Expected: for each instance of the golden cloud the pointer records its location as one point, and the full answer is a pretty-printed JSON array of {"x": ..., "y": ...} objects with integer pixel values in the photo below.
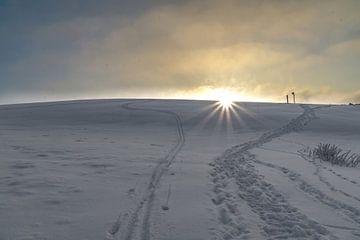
[{"x": 262, "y": 49}]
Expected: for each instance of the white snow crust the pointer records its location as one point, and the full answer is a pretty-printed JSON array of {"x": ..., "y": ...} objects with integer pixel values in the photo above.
[{"x": 175, "y": 170}]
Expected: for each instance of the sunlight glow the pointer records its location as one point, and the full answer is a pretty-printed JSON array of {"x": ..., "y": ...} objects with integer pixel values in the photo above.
[
  {"x": 226, "y": 113},
  {"x": 225, "y": 97},
  {"x": 213, "y": 93},
  {"x": 226, "y": 102}
]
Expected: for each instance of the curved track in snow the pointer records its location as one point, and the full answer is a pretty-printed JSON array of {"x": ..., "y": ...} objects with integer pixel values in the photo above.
[
  {"x": 136, "y": 223},
  {"x": 238, "y": 187},
  {"x": 318, "y": 168}
]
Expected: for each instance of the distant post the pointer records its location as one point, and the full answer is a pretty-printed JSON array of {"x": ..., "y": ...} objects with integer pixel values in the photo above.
[
  {"x": 293, "y": 93},
  {"x": 287, "y": 99}
]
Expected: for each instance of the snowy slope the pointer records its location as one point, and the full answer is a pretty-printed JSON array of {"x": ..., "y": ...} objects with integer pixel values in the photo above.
[{"x": 166, "y": 169}]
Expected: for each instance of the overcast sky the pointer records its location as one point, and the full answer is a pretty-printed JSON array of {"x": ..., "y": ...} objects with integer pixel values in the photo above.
[{"x": 260, "y": 50}]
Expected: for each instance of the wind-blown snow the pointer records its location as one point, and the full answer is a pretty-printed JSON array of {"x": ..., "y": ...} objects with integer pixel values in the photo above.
[{"x": 166, "y": 169}]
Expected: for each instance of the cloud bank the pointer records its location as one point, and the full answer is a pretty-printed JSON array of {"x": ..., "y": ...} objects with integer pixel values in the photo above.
[{"x": 260, "y": 49}]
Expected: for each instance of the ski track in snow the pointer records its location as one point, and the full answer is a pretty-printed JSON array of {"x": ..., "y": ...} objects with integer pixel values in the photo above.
[
  {"x": 318, "y": 168},
  {"x": 136, "y": 224},
  {"x": 279, "y": 220},
  {"x": 351, "y": 212}
]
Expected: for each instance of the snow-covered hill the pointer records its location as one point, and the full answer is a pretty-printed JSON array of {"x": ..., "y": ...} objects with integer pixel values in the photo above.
[{"x": 175, "y": 170}]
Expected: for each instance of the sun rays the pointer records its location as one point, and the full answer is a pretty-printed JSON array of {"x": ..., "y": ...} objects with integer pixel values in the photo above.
[
  {"x": 226, "y": 102},
  {"x": 227, "y": 113},
  {"x": 224, "y": 112},
  {"x": 224, "y": 115}
]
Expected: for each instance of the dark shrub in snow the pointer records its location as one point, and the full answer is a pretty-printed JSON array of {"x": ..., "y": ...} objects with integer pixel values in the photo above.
[{"x": 335, "y": 155}]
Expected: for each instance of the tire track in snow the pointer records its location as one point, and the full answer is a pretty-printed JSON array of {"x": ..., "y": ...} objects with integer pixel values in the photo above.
[
  {"x": 278, "y": 218},
  {"x": 138, "y": 221}
]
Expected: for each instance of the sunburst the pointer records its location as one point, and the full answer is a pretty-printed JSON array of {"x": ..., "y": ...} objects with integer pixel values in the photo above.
[
  {"x": 226, "y": 102},
  {"x": 226, "y": 112}
]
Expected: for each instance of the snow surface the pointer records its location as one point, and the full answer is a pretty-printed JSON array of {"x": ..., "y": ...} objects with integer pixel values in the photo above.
[{"x": 179, "y": 170}]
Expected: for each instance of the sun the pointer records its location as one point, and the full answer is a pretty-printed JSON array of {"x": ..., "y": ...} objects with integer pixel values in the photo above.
[
  {"x": 225, "y": 97},
  {"x": 226, "y": 108},
  {"x": 226, "y": 101}
]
